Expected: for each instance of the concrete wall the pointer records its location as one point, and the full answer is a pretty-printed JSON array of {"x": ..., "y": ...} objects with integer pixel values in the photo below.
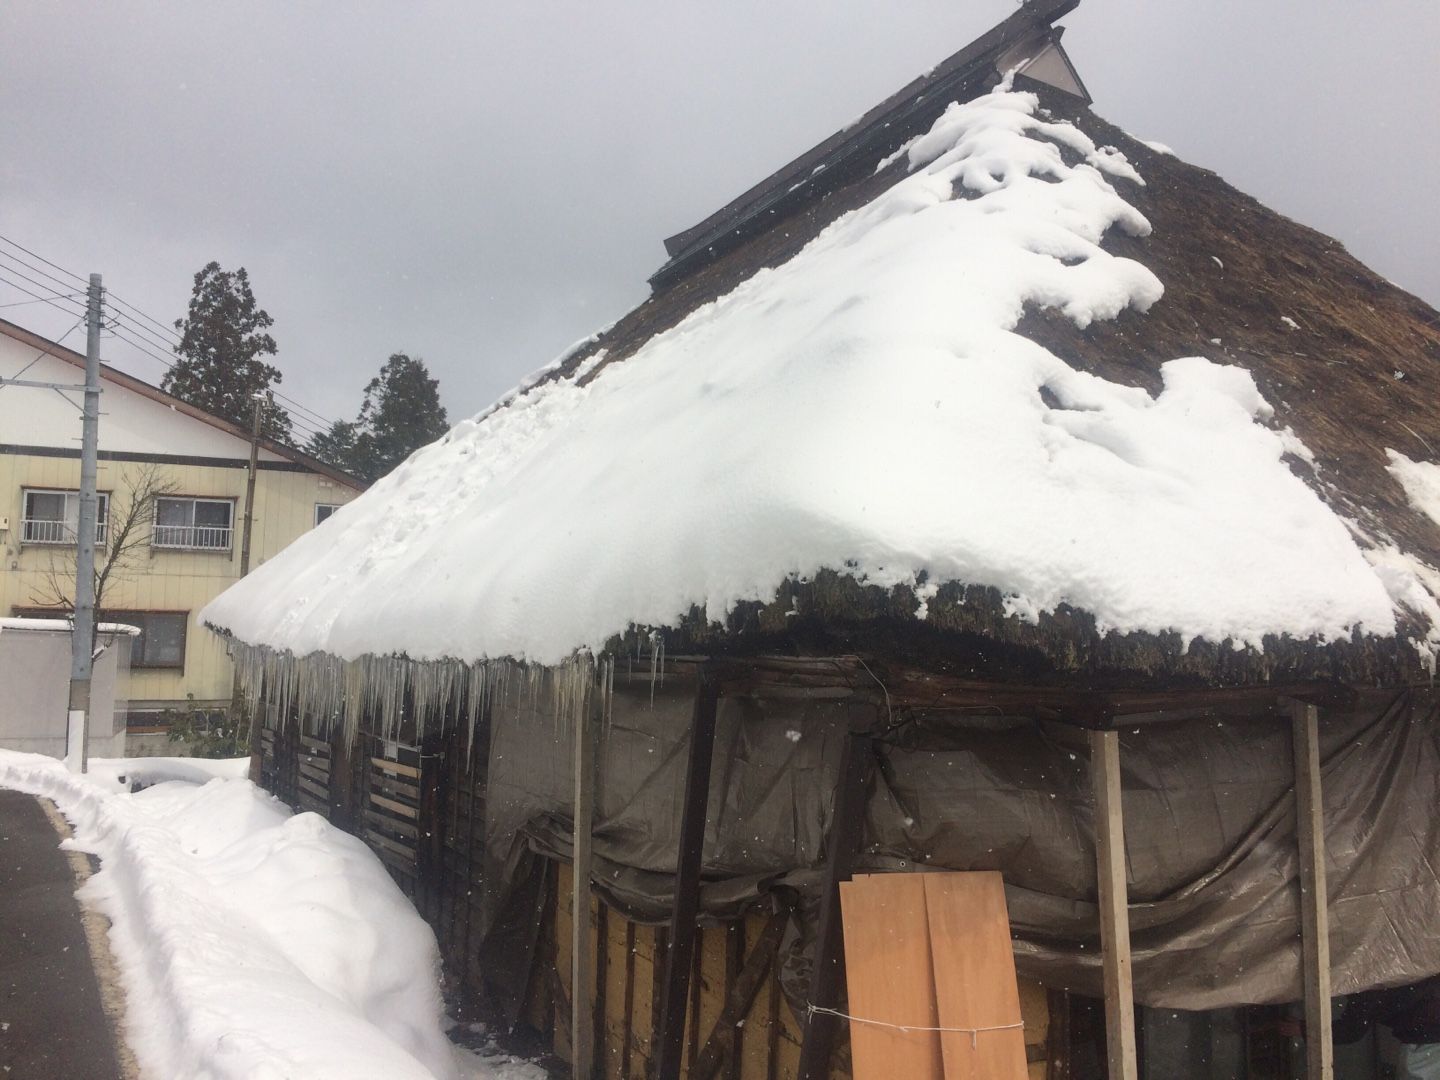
[{"x": 35, "y": 692}]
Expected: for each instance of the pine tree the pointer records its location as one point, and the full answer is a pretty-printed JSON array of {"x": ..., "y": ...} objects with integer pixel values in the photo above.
[
  {"x": 222, "y": 342},
  {"x": 401, "y": 413},
  {"x": 336, "y": 445}
]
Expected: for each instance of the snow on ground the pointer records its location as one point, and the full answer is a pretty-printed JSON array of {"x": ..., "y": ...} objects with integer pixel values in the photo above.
[
  {"x": 120, "y": 773},
  {"x": 865, "y": 406},
  {"x": 252, "y": 942}
]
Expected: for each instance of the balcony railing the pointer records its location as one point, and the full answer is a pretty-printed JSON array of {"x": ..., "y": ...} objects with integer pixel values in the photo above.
[
  {"x": 191, "y": 537},
  {"x": 40, "y": 531}
]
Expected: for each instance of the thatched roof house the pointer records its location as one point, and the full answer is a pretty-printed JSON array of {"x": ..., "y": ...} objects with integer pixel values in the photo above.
[{"x": 978, "y": 420}]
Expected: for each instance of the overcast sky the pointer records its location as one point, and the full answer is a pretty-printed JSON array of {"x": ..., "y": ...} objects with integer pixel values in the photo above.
[{"x": 483, "y": 184}]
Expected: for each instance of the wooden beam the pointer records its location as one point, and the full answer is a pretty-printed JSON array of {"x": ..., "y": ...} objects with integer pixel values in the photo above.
[
  {"x": 1314, "y": 913},
  {"x": 1057, "y": 1036},
  {"x": 582, "y": 959},
  {"x": 1114, "y": 905},
  {"x": 681, "y": 951},
  {"x": 846, "y": 820}
]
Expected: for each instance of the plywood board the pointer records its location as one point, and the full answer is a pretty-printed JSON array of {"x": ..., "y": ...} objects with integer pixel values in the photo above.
[
  {"x": 975, "y": 985},
  {"x": 889, "y": 978}
]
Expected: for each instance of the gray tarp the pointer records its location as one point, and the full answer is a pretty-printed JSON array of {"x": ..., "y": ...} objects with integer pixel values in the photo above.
[{"x": 1210, "y": 832}]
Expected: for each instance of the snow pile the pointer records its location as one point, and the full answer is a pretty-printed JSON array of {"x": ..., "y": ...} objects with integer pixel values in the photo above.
[
  {"x": 251, "y": 943},
  {"x": 866, "y": 407},
  {"x": 120, "y": 773}
]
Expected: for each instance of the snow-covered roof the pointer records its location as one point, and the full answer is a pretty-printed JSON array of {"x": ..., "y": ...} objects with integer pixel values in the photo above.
[{"x": 876, "y": 406}]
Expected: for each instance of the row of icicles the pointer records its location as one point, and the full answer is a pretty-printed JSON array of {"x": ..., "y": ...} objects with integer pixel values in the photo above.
[{"x": 437, "y": 695}]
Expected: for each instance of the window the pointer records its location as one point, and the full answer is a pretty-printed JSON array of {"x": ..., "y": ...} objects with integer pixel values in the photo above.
[
  {"x": 161, "y": 643},
  {"x": 193, "y": 524},
  {"x": 324, "y": 510},
  {"x": 51, "y": 517}
]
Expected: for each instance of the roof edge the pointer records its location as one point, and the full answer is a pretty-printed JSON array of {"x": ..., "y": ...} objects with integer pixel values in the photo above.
[{"x": 154, "y": 393}]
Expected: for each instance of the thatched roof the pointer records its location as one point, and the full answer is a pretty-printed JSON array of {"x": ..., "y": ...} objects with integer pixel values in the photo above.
[{"x": 1348, "y": 361}]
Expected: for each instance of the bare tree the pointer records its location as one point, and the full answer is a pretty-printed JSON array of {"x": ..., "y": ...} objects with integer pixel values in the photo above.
[{"x": 127, "y": 539}]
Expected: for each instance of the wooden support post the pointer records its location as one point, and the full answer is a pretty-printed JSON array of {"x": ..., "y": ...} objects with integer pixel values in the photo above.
[
  {"x": 343, "y": 803},
  {"x": 1314, "y": 913},
  {"x": 582, "y": 958},
  {"x": 430, "y": 844},
  {"x": 681, "y": 940},
  {"x": 846, "y": 819},
  {"x": 1114, "y": 905}
]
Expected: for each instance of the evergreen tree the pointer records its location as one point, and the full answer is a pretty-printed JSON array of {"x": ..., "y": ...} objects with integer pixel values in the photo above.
[
  {"x": 222, "y": 342},
  {"x": 401, "y": 413},
  {"x": 336, "y": 445}
]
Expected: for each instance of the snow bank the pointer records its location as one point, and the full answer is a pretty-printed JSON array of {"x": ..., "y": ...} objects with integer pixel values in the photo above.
[
  {"x": 251, "y": 943},
  {"x": 865, "y": 406},
  {"x": 120, "y": 773}
]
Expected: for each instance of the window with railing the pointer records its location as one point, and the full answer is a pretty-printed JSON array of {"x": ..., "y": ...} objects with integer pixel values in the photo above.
[
  {"x": 190, "y": 524},
  {"x": 53, "y": 517}
]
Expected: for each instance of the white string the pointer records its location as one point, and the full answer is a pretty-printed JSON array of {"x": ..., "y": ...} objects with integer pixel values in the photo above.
[{"x": 974, "y": 1032}]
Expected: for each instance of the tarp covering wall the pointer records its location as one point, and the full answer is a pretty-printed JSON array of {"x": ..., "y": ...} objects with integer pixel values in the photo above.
[{"x": 1210, "y": 830}]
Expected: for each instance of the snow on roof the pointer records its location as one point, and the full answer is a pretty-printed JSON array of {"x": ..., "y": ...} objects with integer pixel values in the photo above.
[
  {"x": 63, "y": 626},
  {"x": 864, "y": 407}
]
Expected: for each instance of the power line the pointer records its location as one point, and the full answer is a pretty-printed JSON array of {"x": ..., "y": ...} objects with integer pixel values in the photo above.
[
  {"x": 35, "y": 269},
  {"x": 47, "y": 262},
  {"x": 304, "y": 418},
  {"x": 135, "y": 310},
  {"x": 39, "y": 300},
  {"x": 304, "y": 428},
  {"x": 314, "y": 422},
  {"x": 47, "y": 299},
  {"x": 36, "y": 359}
]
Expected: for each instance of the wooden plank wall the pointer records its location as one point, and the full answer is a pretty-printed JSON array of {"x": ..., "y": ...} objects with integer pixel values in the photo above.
[
  {"x": 390, "y": 821},
  {"x": 312, "y": 780},
  {"x": 625, "y": 999},
  {"x": 629, "y": 969}
]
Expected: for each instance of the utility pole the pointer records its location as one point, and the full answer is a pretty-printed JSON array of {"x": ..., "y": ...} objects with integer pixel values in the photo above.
[
  {"x": 250, "y": 482},
  {"x": 237, "y": 702},
  {"x": 82, "y": 634}
]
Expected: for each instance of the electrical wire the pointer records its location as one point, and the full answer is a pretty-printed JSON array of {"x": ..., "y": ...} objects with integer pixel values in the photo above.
[
  {"x": 36, "y": 270},
  {"x": 50, "y": 299},
  {"x": 36, "y": 358},
  {"x": 44, "y": 260},
  {"x": 152, "y": 332}
]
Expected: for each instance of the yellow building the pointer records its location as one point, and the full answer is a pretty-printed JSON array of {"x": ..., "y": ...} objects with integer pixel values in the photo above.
[{"x": 172, "y": 505}]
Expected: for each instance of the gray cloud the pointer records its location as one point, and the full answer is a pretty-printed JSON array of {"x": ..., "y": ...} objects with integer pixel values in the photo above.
[{"x": 484, "y": 185}]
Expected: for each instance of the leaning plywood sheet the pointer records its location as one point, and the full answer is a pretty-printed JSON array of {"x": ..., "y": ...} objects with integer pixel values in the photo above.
[
  {"x": 976, "y": 992},
  {"x": 891, "y": 984}
]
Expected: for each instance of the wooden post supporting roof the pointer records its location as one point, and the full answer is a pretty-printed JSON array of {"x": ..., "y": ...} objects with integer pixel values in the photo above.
[
  {"x": 846, "y": 818},
  {"x": 681, "y": 952},
  {"x": 582, "y": 957},
  {"x": 1114, "y": 905},
  {"x": 1314, "y": 914}
]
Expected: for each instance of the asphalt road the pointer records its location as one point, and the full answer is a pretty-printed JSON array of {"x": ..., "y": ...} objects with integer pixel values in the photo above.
[{"x": 52, "y": 1023}]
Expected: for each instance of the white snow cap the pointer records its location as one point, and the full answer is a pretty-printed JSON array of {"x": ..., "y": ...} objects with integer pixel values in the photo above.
[
  {"x": 1421, "y": 481},
  {"x": 865, "y": 406}
]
